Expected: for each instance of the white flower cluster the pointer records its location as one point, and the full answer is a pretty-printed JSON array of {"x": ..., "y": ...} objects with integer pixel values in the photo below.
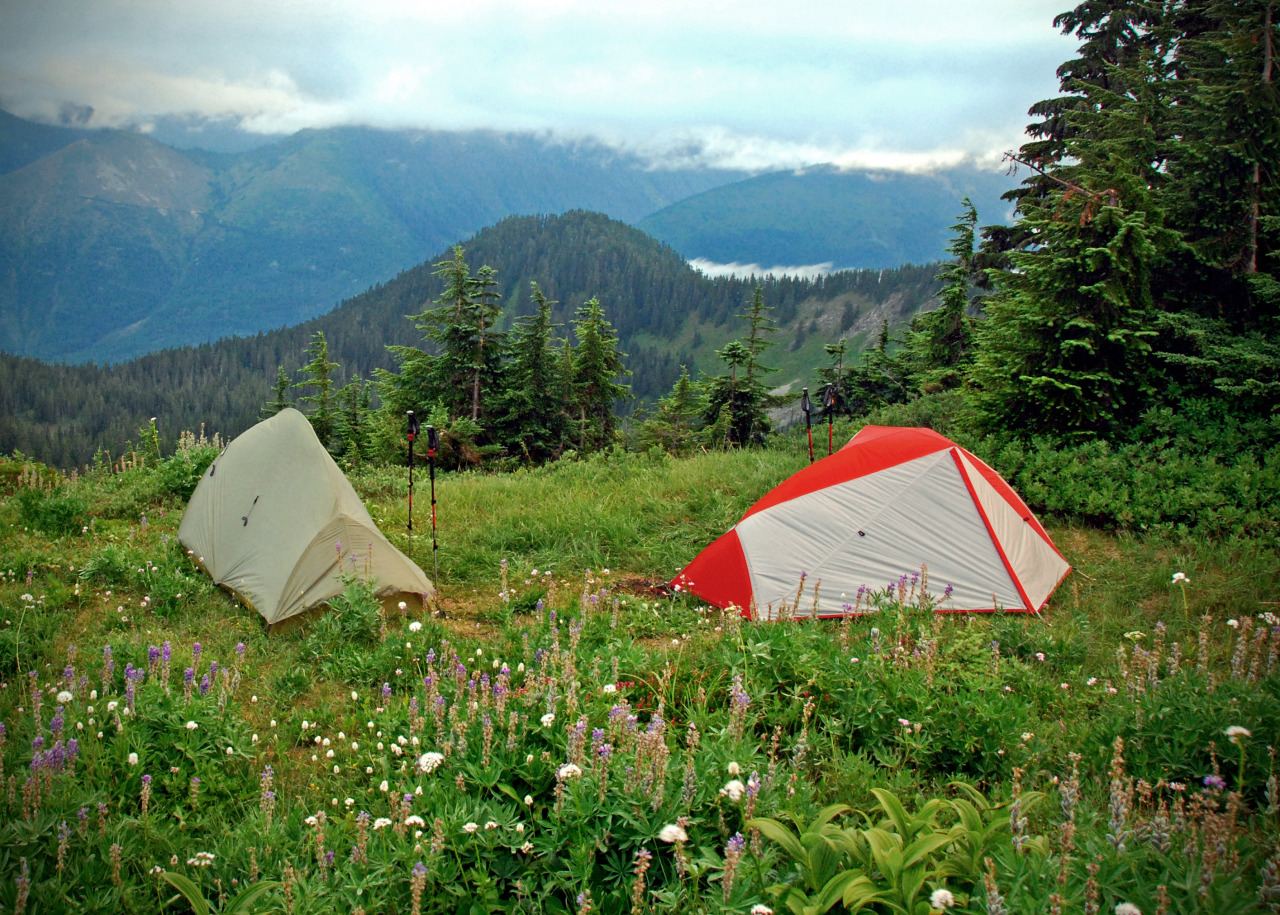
[{"x": 429, "y": 762}]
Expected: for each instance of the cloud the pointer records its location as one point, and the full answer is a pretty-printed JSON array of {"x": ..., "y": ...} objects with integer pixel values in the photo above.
[
  {"x": 745, "y": 271},
  {"x": 741, "y": 84}
]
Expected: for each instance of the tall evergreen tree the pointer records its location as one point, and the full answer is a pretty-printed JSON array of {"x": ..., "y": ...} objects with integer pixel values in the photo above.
[
  {"x": 319, "y": 372},
  {"x": 533, "y": 404},
  {"x": 740, "y": 396},
  {"x": 939, "y": 342},
  {"x": 597, "y": 364}
]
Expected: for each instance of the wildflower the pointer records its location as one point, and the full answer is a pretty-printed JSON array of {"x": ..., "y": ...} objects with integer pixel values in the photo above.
[
  {"x": 547, "y": 719},
  {"x": 491, "y": 824},
  {"x": 1234, "y": 624},
  {"x": 527, "y": 847},
  {"x": 1235, "y": 732},
  {"x": 415, "y": 626},
  {"x": 470, "y": 827},
  {"x": 673, "y": 833},
  {"x": 734, "y": 770},
  {"x": 133, "y": 759},
  {"x": 567, "y": 771},
  {"x": 64, "y": 696},
  {"x": 761, "y": 909},
  {"x": 355, "y": 697},
  {"x": 384, "y": 787},
  {"x": 609, "y": 688},
  {"x": 414, "y": 820},
  {"x": 942, "y": 899},
  {"x": 1180, "y": 576},
  {"x": 1214, "y": 782},
  {"x": 429, "y": 762},
  {"x": 1135, "y": 636},
  {"x": 381, "y": 823},
  {"x": 528, "y": 800},
  {"x": 1128, "y": 908},
  {"x": 734, "y": 790},
  {"x": 1039, "y": 655},
  {"x": 191, "y": 725}
]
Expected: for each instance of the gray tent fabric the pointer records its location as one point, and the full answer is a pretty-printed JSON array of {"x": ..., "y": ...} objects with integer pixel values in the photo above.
[{"x": 275, "y": 521}]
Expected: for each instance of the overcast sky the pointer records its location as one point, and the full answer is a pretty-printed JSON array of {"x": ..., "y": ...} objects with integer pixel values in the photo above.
[{"x": 747, "y": 84}]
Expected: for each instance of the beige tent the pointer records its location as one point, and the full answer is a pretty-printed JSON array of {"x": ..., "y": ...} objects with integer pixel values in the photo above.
[{"x": 274, "y": 521}]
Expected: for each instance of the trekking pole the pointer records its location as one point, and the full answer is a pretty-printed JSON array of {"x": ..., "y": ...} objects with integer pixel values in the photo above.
[
  {"x": 433, "y": 442},
  {"x": 413, "y": 433},
  {"x": 808, "y": 419},
  {"x": 829, "y": 407}
]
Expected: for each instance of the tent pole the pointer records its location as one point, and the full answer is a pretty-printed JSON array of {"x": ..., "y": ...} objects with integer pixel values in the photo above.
[
  {"x": 808, "y": 419},
  {"x": 413, "y": 432}
]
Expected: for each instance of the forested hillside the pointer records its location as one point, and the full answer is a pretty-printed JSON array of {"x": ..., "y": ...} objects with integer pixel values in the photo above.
[{"x": 666, "y": 314}]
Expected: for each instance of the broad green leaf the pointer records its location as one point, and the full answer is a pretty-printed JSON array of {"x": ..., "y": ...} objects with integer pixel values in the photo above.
[{"x": 199, "y": 905}]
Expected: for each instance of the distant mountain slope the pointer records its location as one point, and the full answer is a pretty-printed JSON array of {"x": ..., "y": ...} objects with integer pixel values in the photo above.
[
  {"x": 23, "y": 142},
  {"x": 666, "y": 313},
  {"x": 850, "y": 219},
  {"x": 113, "y": 245}
]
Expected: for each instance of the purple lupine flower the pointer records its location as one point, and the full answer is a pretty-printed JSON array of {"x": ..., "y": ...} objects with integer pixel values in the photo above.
[
  {"x": 204, "y": 685},
  {"x": 55, "y": 725},
  {"x": 195, "y": 653},
  {"x": 947, "y": 591},
  {"x": 386, "y": 690},
  {"x": 239, "y": 649},
  {"x": 213, "y": 669},
  {"x": 1214, "y": 782},
  {"x": 431, "y": 656},
  {"x": 37, "y": 744},
  {"x": 73, "y": 750},
  {"x": 604, "y": 750},
  {"x": 188, "y": 676},
  {"x": 153, "y": 654},
  {"x": 69, "y": 675},
  {"x": 166, "y": 652}
]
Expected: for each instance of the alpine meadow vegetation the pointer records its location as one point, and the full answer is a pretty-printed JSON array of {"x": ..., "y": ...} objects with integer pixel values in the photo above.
[{"x": 563, "y": 731}]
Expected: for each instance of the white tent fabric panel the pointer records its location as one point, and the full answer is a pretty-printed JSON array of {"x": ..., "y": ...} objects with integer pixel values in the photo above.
[
  {"x": 919, "y": 512},
  {"x": 1037, "y": 564}
]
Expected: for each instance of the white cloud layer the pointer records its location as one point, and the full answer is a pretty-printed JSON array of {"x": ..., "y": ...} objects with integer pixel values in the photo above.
[
  {"x": 713, "y": 270},
  {"x": 748, "y": 84}
]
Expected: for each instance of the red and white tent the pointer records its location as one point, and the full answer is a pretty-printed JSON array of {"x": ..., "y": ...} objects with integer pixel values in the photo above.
[{"x": 888, "y": 502}]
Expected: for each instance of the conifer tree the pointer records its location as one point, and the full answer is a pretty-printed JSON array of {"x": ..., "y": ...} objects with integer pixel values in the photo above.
[
  {"x": 740, "y": 395},
  {"x": 533, "y": 415},
  {"x": 278, "y": 401},
  {"x": 939, "y": 343},
  {"x": 674, "y": 426},
  {"x": 319, "y": 372},
  {"x": 596, "y": 364}
]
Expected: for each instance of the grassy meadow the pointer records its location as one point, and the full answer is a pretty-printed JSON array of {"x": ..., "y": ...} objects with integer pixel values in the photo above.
[{"x": 561, "y": 733}]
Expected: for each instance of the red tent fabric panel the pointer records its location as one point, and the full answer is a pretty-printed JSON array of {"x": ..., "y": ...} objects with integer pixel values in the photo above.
[
  {"x": 719, "y": 574},
  {"x": 873, "y": 449}
]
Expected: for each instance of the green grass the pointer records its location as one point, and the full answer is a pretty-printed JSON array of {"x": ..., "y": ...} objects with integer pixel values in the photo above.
[{"x": 984, "y": 697}]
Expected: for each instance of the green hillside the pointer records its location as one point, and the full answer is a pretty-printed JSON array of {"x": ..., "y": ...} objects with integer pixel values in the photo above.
[
  {"x": 666, "y": 314},
  {"x": 850, "y": 219}
]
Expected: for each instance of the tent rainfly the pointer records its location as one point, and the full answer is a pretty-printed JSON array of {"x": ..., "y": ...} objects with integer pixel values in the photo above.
[
  {"x": 888, "y": 502},
  {"x": 274, "y": 521}
]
